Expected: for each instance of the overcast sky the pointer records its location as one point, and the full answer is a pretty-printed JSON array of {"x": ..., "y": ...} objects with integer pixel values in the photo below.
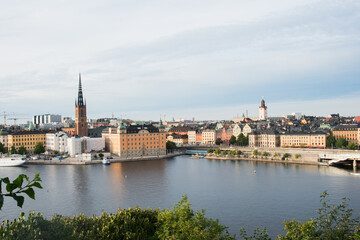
[{"x": 190, "y": 58}]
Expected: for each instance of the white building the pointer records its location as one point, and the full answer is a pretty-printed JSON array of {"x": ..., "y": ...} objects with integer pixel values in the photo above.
[
  {"x": 77, "y": 145},
  {"x": 192, "y": 137},
  {"x": 57, "y": 142},
  {"x": 262, "y": 111},
  {"x": 208, "y": 136},
  {"x": 236, "y": 130},
  {"x": 46, "y": 118}
]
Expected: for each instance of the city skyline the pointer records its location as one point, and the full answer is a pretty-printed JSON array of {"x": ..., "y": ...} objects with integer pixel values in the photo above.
[{"x": 208, "y": 60}]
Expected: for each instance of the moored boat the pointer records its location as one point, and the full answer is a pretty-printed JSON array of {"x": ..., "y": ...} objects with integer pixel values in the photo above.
[
  {"x": 12, "y": 160},
  {"x": 106, "y": 161}
]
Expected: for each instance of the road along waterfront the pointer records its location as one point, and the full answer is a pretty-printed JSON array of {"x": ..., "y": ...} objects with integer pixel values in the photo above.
[{"x": 229, "y": 190}]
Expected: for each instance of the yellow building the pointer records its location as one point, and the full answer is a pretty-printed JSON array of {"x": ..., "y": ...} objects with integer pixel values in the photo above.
[
  {"x": 349, "y": 132},
  {"x": 303, "y": 140},
  {"x": 178, "y": 139},
  {"x": 135, "y": 140},
  {"x": 28, "y": 139}
]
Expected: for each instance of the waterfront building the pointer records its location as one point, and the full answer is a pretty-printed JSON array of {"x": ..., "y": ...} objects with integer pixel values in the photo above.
[
  {"x": 349, "y": 132},
  {"x": 135, "y": 140},
  {"x": 303, "y": 139},
  {"x": 262, "y": 111},
  {"x": 208, "y": 136},
  {"x": 178, "y": 139},
  {"x": 28, "y": 139},
  {"x": 4, "y": 138},
  {"x": 57, "y": 142},
  {"x": 78, "y": 145},
  {"x": 192, "y": 137},
  {"x": 81, "y": 127},
  {"x": 46, "y": 119},
  {"x": 268, "y": 138}
]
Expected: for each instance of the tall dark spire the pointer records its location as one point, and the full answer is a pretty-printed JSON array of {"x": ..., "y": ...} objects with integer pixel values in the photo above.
[{"x": 80, "y": 101}]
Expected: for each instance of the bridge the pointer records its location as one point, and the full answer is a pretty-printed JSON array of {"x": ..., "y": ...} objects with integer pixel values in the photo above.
[{"x": 340, "y": 159}]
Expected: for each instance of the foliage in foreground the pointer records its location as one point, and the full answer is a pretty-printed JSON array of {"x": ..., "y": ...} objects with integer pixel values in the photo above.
[{"x": 181, "y": 222}]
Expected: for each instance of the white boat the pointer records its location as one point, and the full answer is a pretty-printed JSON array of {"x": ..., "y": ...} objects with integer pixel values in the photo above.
[
  {"x": 12, "y": 160},
  {"x": 106, "y": 161}
]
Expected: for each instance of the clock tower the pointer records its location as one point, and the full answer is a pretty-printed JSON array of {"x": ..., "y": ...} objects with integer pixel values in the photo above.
[{"x": 81, "y": 127}]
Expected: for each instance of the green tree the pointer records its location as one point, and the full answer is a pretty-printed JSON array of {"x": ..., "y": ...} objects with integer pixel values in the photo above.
[
  {"x": 22, "y": 150},
  {"x": 239, "y": 152},
  {"x": 341, "y": 143},
  {"x": 297, "y": 156},
  {"x": 217, "y": 151},
  {"x": 232, "y": 153},
  {"x": 13, "y": 150},
  {"x": 242, "y": 140},
  {"x": 285, "y": 156},
  {"x": 330, "y": 141},
  {"x": 95, "y": 156},
  {"x": 276, "y": 154},
  {"x": 183, "y": 223},
  {"x": 56, "y": 152},
  {"x": 224, "y": 153},
  {"x": 232, "y": 140},
  {"x": 15, "y": 188},
  {"x": 210, "y": 150},
  {"x": 256, "y": 153},
  {"x": 2, "y": 148},
  {"x": 39, "y": 148},
  {"x": 218, "y": 141},
  {"x": 265, "y": 154},
  {"x": 101, "y": 155},
  {"x": 333, "y": 222},
  {"x": 352, "y": 146},
  {"x": 170, "y": 145}
]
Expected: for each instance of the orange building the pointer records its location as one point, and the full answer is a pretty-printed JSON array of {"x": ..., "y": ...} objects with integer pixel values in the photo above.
[
  {"x": 70, "y": 131},
  {"x": 349, "y": 132},
  {"x": 135, "y": 140}
]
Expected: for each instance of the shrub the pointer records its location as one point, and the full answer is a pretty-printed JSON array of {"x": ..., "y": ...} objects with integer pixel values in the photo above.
[
  {"x": 210, "y": 150},
  {"x": 265, "y": 154},
  {"x": 239, "y": 152},
  {"x": 256, "y": 152},
  {"x": 232, "y": 153},
  {"x": 217, "y": 151},
  {"x": 224, "y": 153},
  {"x": 297, "y": 156}
]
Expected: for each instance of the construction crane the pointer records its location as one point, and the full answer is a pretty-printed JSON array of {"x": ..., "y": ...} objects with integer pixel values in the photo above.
[{"x": 15, "y": 120}]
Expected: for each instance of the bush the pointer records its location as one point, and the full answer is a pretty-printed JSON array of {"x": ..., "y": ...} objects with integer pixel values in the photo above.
[
  {"x": 265, "y": 154},
  {"x": 232, "y": 153},
  {"x": 297, "y": 156},
  {"x": 256, "y": 152},
  {"x": 224, "y": 153},
  {"x": 239, "y": 152},
  {"x": 101, "y": 155},
  {"x": 286, "y": 155},
  {"x": 210, "y": 150},
  {"x": 217, "y": 151}
]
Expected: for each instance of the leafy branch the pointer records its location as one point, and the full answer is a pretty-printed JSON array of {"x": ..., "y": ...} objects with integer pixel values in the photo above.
[{"x": 13, "y": 189}]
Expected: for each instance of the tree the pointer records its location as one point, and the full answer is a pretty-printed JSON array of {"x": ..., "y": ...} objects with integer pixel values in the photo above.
[
  {"x": 101, "y": 155},
  {"x": 341, "y": 143},
  {"x": 22, "y": 150},
  {"x": 95, "y": 156},
  {"x": 232, "y": 153},
  {"x": 170, "y": 145},
  {"x": 210, "y": 150},
  {"x": 217, "y": 151},
  {"x": 265, "y": 154},
  {"x": 333, "y": 222},
  {"x": 232, "y": 140},
  {"x": 183, "y": 223},
  {"x": 239, "y": 152},
  {"x": 56, "y": 152},
  {"x": 352, "y": 146},
  {"x": 39, "y": 148},
  {"x": 242, "y": 140},
  {"x": 297, "y": 156},
  {"x": 218, "y": 141},
  {"x": 256, "y": 153},
  {"x": 13, "y": 150},
  {"x": 330, "y": 141},
  {"x": 14, "y": 188},
  {"x": 286, "y": 155},
  {"x": 2, "y": 148},
  {"x": 276, "y": 154},
  {"x": 224, "y": 153}
]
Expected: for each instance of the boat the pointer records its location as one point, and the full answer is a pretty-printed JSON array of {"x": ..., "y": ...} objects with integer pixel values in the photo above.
[
  {"x": 106, "y": 161},
  {"x": 13, "y": 160}
]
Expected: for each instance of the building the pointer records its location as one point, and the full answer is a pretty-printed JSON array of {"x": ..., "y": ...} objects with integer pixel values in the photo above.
[
  {"x": 264, "y": 138},
  {"x": 46, "y": 119},
  {"x": 247, "y": 129},
  {"x": 179, "y": 130},
  {"x": 135, "y": 140},
  {"x": 208, "y": 136},
  {"x": 57, "y": 142},
  {"x": 262, "y": 111},
  {"x": 78, "y": 145},
  {"x": 28, "y": 139},
  {"x": 81, "y": 127},
  {"x": 236, "y": 130},
  {"x": 349, "y": 132},
  {"x": 4, "y": 138},
  {"x": 303, "y": 139},
  {"x": 192, "y": 137},
  {"x": 70, "y": 131},
  {"x": 178, "y": 139}
]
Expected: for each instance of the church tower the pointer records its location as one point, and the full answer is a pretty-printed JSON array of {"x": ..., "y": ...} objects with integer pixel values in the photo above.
[
  {"x": 81, "y": 128},
  {"x": 262, "y": 111}
]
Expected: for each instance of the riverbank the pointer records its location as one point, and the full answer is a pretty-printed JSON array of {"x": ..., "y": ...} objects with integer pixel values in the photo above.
[
  {"x": 269, "y": 160},
  {"x": 78, "y": 161}
]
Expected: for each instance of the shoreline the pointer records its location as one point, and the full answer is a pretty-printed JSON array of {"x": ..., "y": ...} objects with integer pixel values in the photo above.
[{"x": 72, "y": 161}]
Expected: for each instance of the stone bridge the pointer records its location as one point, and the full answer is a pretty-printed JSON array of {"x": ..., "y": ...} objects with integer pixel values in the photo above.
[{"x": 340, "y": 159}]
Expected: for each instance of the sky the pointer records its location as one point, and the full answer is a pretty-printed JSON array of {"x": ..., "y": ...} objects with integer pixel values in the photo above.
[{"x": 183, "y": 59}]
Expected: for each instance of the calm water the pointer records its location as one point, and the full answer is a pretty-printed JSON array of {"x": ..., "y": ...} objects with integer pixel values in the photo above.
[{"x": 228, "y": 190}]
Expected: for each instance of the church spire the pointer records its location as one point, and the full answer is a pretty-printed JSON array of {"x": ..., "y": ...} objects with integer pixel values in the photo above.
[{"x": 80, "y": 101}]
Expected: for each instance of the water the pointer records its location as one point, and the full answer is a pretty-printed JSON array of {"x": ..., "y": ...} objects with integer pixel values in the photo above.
[{"x": 228, "y": 190}]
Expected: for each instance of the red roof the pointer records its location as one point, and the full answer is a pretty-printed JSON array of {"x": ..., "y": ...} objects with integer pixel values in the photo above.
[{"x": 357, "y": 119}]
